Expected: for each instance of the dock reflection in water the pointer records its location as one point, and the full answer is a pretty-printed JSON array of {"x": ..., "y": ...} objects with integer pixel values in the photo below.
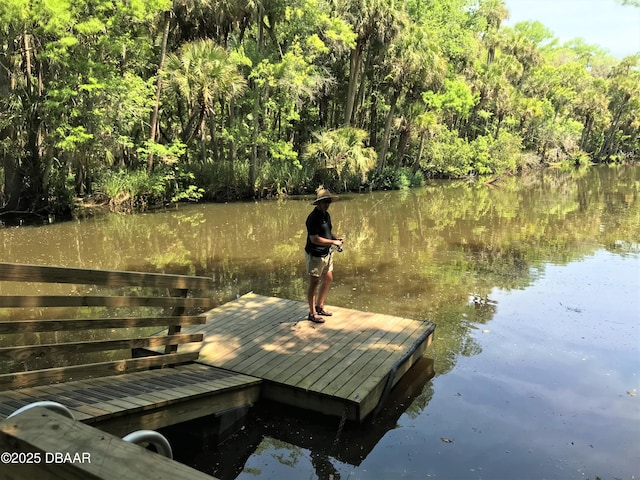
[{"x": 325, "y": 442}]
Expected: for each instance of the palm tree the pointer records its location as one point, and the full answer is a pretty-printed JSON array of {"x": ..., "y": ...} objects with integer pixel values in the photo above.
[
  {"x": 414, "y": 64},
  {"x": 343, "y": 151},
  {"x": 494, "y": 13},
  {"x": 371, "y": 19},
  {"x": 203, "y": 73}
]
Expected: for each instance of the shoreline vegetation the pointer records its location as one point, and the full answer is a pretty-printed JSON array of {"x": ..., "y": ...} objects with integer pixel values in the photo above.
[{"x": 131, "y": 106}]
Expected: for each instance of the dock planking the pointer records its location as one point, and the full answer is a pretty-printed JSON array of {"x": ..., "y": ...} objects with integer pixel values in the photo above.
[
  {"x": 112, "y": 371},
  {"x": 341, "y": 367},
  {"x": 38, "y": 434},
  {"x": 149, "y": 399}
]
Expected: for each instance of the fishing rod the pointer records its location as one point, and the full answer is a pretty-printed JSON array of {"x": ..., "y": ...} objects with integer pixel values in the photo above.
[{"x": 365, "y": 215}]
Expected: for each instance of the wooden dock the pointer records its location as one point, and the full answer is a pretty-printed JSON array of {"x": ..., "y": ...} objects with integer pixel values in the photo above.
[
  {"x": 120, "y": 376},
  {"x": 104, "y": 369},
  {"x": 143, "y": 400},
  {"x": 344, "y": 367}
]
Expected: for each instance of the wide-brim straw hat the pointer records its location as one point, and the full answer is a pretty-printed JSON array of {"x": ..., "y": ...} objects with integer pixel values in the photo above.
[{"x": 324, "y": 194}]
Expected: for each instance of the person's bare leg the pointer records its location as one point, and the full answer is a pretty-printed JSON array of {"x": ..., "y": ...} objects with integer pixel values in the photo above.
[
  {"x": 327, "y": 278},
  {"x": 311, "y": 293}
]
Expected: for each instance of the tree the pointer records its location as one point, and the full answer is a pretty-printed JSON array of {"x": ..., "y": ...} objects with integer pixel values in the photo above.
[
  {"x": 371, "y": 19},
  {"x": 624, "y": 95},
  {"x": 343, "y": 151},
  {"x": 414, "y": 64},
  {"x": 203, "y": 73}
]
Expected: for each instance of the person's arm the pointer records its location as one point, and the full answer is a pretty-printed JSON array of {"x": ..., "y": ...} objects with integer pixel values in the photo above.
[{"x": 324, "y": 242}]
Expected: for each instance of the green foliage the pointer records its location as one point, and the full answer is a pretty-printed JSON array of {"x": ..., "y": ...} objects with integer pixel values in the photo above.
[
  {"x": 451, "y": 156},
  {"x": 265, "y": 98},
  {"x": 395, "y": 179},
  {"x": 220, "y": 181},
  {"x": 455, "y": 102},
  {"x": 342, "y": 150},
  {"x": 448, "y": 155},
  {"x": 139, "y": 190},
  {"x": 61, "y": 192},
  {"x": 168, "y": 154},
  {"x": 496, "y": 156}
]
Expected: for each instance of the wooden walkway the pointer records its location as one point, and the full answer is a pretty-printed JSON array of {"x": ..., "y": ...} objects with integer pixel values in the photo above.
[
  {"x": 143, "y": 400},
  {"x": 103, "y": 369},
  {"x": 345, "y": 366}
]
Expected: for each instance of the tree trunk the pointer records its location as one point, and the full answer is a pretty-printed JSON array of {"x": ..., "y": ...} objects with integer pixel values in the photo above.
[
  {"x": 373, "y": 122},
  {"x": 156, "y": 106},
  {"x": 357, "y": 109},
  {"x": 387, "y": 131},
  {"x": 253, "y": 165},
  {"x": 355, "y": 63},
  {"x": 586, "y": 131},
  {"x": 606, "y": 149},
  {"x": 12, "y": 179},
  {"x": 203, "y": 139},
  {"x": 420, "y": 151},
  {"x": 32, "y": 167},
  {"x": 403, "y": 142},
  {"x": 32, "y": 162},
  {"x": 231, "y": 156}
]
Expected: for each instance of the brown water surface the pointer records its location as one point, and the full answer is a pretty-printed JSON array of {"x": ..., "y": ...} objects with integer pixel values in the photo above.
[{"x": 534, "y": 284}]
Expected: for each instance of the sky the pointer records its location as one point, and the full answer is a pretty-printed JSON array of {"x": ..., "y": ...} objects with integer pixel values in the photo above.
[{"x": 605, "y": 23}]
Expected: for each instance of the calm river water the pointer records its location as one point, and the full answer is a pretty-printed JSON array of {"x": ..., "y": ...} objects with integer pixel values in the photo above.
[{"x": 534, "y": 284}]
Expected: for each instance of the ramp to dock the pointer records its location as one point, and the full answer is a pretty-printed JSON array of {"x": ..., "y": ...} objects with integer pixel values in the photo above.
[
  {"x": 345, "y": 366},
  {"x": 149, "y": 399}
]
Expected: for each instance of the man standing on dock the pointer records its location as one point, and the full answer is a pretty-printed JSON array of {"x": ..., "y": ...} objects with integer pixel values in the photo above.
[{"x": 318, "y": 253}]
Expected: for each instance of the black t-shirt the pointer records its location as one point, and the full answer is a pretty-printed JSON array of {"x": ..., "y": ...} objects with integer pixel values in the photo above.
[{"x": 318, "y": 223}]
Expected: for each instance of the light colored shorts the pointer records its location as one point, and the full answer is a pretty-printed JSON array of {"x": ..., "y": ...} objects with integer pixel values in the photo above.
[{"x": 319, "y": 266}]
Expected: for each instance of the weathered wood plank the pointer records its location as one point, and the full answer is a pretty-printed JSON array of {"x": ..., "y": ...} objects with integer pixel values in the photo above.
[
  {"x": 325, "y": 364},
  {"x": 35, "y": 301},
  {"x": 315, "y": 341},
  {"x": 187, "y": 409},
  {"x": 25, "y": 353},
  {"x": 13, "y": 400},
  {"x": 222, "y": 339},
  {"x": 127, "y": 400},
  {"x": 61, "y": 374},
  {"x": 325, "y": 342},
  {"x": 110, "y": 458},
  {"x": 379, "y": 339},
  {"x": 376, "y": 358},
  {"x": 57, "y": 325},
  {"x": 79, "y": 404},
  {"x": 365, "y": 379},
  {"x": 84, "y": 276},
  {"x": 374, "y": 397},
  {"x": 245, "y": 319},
  {"x": 337, "y": 366},
  {"x": 116, "y": 396},
  {"x": 257, "y": 346},
  {"x": 310, "y": 400}
]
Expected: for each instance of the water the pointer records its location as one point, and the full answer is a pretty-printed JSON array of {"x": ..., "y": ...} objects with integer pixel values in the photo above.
[{"x": 534, "y": 284}]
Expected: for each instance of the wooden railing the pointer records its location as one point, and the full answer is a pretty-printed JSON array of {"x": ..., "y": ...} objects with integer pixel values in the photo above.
[{"x": 64, "y": 359}]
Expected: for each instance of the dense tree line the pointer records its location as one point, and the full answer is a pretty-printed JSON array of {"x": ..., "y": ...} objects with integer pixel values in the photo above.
[{"x": 138, "y": 102}]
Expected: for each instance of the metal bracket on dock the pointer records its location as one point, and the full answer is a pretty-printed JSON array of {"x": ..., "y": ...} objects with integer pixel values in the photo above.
[
  {"x": 139, "y": 437},
  {"x": 157, "y": 440},
  {"x": 53, "y": 406}
]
